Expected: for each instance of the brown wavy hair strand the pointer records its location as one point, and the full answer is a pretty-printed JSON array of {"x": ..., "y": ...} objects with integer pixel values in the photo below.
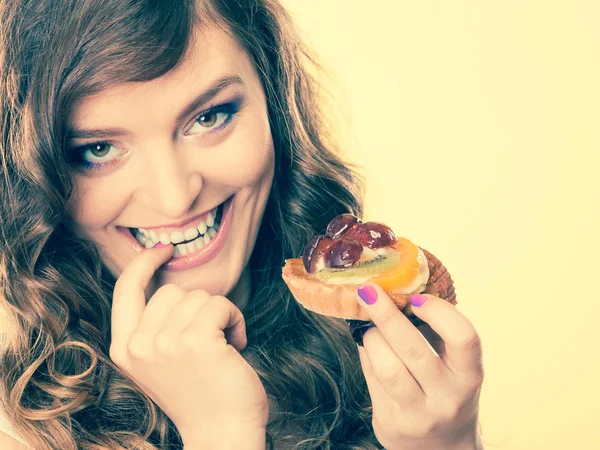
[{"x": 59, "y": 387}]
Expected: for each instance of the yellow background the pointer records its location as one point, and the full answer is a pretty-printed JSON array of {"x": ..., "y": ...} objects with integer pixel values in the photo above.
[{"x": 477, "y": 125}]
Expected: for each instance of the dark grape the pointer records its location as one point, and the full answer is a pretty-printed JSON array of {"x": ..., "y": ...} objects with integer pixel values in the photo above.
[
  {"x": 339, "y": 225},
  {"x": 314, "y": 251},
  {"x": 343, "y": 253},
  {"x": 373, "y": 235}
]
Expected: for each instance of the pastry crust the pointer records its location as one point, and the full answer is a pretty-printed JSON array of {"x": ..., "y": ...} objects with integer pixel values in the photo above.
[{"x": 339, "y": 300}]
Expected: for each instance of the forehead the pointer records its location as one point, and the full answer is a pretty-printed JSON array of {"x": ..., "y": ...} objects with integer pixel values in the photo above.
[{"x": 212, "y": 54}]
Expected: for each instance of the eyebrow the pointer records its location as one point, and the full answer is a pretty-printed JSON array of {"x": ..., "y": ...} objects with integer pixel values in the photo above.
[{"x": 218, "y": 86}]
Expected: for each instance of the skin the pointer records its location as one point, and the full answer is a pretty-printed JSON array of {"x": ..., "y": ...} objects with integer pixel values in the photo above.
[
  {"x": 182, "y": 348},
  {"x": 168, "y": 170},
  {"x": 424, "y": 382},
  {"x": 186, "y": 327},
  {"x": 174, "y": 332}
]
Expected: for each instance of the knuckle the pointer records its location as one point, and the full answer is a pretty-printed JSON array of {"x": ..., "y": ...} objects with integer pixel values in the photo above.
[
  {"x": 390, "y": 375},
  {"x": 469, "y": 339},
  {"x": 224, "y": 306},
  {"x": 137, "y": 347},
  {"x": 414, "y": 355},
  {"x": 190, "y": 340},
  {"x": 221, "y": 301},
  {"x": 389, "y": 320},
  {"x": 167, "y": 290},
  {"x": 164, "y": 343},
  {"x": 428, "y": 421},
  {"x": 476, "y": 378},
  {"x": 199, "y": 293},
  {"x": 480, "y": 376},
  {"x": 428, "y": 427},
  {"x": 196, "y": 297}
]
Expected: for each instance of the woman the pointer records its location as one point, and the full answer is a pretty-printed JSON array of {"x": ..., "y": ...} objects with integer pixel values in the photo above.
[{"x": 160, "y": 161}]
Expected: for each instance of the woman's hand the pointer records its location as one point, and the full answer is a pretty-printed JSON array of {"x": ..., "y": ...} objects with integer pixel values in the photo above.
[
  {"x": 423, "y": 397},
  {"x": 182, "y": 349}
]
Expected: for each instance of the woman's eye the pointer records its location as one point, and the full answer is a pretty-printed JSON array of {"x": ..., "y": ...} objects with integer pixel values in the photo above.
[
  {"x": 209, "y": 121},
  {"x": 215, "y": 119},
  {"x": 96, "y": 155},
  {"x": 99, "y": 150}
]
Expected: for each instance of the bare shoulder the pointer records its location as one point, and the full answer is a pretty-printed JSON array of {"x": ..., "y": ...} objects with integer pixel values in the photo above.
[{"x": 10, "y": 443}]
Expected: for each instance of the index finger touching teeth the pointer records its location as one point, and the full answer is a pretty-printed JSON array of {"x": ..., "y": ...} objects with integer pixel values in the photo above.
[{"x": 129, "y": 300}]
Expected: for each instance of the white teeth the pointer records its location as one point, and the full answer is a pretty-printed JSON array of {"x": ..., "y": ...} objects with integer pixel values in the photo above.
[
  {"x": 196, "y": 237},
  {"x": 190, "y": 247},
  {"x": 180, "y": 249},
  {"x": 141, "y": 238},
  {"x": 202, "y": 227},
  {"x": 210, "y": 219},
  {"x": 144, "y": 240},
  {"x": 191, "y": 233},
  {"x": 177, "y": 237}
]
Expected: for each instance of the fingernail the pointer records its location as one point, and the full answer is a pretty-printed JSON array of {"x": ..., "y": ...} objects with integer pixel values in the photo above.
[
  {"x": 418, "y": 300},
  {"x": 160, "y": 245},
  {"x": 368, "y": 294}
]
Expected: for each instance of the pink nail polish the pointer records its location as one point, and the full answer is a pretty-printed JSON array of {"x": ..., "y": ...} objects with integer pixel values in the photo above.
[
  {"x": 368, "y": 294},
  {"x": 418, "y": 300},
  {"x": 160, "y": 245}
]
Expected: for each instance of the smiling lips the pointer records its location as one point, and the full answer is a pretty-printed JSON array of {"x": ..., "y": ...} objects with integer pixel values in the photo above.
[{"x": 186, "y": 239}]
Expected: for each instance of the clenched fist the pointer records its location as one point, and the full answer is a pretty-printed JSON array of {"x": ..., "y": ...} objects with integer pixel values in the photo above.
[{"x": 182, "y": 349}]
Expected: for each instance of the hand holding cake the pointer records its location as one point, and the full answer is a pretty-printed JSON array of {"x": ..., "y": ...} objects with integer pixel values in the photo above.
[{"x": 424, "y": 382}]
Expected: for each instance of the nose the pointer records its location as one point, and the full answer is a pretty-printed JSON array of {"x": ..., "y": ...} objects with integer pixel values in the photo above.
[{"x": 168, "y": 185}]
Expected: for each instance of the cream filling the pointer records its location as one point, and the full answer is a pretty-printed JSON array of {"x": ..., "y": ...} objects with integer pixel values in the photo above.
[{"x": 417, "y": 285}]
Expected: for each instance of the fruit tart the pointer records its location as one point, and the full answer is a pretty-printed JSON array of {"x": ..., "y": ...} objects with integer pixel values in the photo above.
[{"x": 350, "y": 253}]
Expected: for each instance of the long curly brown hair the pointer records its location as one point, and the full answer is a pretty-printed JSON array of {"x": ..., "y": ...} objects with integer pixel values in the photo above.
[{"x": 58, "y": 386}]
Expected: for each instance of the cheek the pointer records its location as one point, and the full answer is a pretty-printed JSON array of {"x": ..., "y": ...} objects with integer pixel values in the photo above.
[
  {"x": 250, "y": 157},
  {"x": 90, "y": 208}
]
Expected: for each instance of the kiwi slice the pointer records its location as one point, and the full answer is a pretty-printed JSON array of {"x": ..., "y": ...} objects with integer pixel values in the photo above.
[{"x": 375, "y": 266}]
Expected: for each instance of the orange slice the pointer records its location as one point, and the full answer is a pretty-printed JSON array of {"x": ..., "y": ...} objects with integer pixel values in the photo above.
[{"x": 406, "y": 270}]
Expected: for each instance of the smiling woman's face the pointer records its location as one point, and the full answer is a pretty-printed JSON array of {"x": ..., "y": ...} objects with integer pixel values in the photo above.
[{"x": 155, "y": 159}]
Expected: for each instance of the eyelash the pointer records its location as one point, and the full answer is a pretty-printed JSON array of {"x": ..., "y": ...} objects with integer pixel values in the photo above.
[{"x": 230, "y": 108}]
